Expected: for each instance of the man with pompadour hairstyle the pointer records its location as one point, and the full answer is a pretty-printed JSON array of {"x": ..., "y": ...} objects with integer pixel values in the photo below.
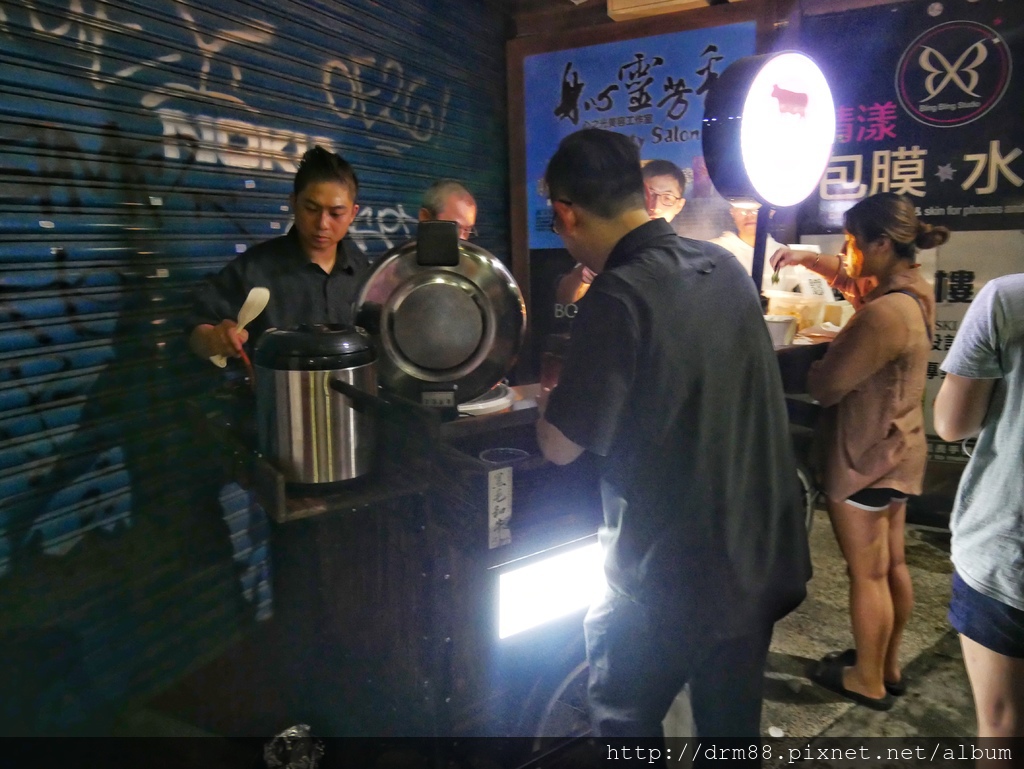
[{"x": 313, "y": 273}]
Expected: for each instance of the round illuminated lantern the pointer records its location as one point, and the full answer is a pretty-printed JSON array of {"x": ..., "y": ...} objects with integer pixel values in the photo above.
[{"x": 769, "y": 126}]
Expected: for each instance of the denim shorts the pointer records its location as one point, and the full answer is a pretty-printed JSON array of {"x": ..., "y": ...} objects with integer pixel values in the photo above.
[
  {"x": 875, "y": 499},
  {"x": 986, "y": 621}
]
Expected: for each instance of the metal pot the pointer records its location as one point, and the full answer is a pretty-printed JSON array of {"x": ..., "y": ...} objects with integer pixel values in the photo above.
[
  {"x": 448, "y": 316},
  {"x": 319, "y": 438}
]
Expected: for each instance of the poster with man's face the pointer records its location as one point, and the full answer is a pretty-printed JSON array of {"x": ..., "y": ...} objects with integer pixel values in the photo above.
[{"x": 651, "y": 89}]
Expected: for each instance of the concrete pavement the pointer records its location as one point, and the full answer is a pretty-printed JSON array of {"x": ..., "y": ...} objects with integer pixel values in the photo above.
[{"x": 938, "y": 702}]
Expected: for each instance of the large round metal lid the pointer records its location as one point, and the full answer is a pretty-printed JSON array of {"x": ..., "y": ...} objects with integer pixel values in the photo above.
[
  {"x": 314, "y": 347},
  {"x": 455, "y": 326},
  {"x": 444, "y": 304}
]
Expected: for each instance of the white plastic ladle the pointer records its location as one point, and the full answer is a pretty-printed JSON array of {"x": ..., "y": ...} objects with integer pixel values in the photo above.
[{"x": 253, "y": 305}]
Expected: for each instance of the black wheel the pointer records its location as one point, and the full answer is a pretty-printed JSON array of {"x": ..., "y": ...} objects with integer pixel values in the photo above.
[
  {"x": 809, "y": 494},
  {"x": 565, "y": 714},
  {"x": 556, "y": 707}
]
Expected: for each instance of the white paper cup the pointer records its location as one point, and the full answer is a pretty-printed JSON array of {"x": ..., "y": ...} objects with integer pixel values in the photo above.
[{"x": 782, "y": 329}]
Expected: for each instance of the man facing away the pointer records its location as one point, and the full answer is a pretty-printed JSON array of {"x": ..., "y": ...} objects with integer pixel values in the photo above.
[
  {"x": 313, "y": 273},
  {"x": 665, "y": 185},
  {"x": 671, "y": 377},
  {"x": 448, "y": 200}
]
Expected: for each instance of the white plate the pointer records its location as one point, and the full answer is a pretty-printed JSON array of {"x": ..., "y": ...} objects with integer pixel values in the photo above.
[{"x": 498, "y": 398}]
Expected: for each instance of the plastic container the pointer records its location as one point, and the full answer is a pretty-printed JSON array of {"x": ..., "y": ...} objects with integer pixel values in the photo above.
[
  {"x": 838, "y": 312},
  {"x": 503, "y": 456},
  {"x": 807, "y": 309}
]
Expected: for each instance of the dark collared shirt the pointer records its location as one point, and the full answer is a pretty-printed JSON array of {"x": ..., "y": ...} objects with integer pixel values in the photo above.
[
  {"x": 671, "y": 376},
  {"x": 300, "y": 291}
]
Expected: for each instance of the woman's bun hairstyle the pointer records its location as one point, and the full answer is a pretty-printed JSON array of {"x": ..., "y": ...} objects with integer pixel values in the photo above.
[
  {"x": 893, "y": 216},
  {"x": 930, "y": 236}
]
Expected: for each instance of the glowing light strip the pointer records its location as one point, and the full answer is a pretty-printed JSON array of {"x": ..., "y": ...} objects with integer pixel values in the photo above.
[{"x": 548, "y": 589}]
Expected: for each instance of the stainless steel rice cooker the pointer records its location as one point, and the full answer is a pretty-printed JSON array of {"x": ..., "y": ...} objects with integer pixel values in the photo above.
[{"x": 317, "y": 437}]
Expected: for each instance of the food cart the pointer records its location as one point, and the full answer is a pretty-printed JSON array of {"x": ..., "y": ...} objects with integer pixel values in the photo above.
[
  {"x": 441, "y": 593},
  {"x": 420, "y": 602}
]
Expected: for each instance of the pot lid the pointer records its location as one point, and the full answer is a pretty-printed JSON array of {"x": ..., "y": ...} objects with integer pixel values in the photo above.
[
  {"x": 314, "y": 346},
  {"x": 454, "y": 326}
]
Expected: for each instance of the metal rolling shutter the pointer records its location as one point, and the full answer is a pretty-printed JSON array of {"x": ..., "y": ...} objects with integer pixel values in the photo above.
[{"x": 142, "y": 145}]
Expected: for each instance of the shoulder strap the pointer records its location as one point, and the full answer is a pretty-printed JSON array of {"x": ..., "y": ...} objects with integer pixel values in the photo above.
[{"x": 917, "y": 299}]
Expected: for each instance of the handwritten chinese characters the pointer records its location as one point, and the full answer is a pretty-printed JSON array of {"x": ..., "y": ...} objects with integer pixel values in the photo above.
[
  {"x": 643, "y": 86},
  {"x": 499, "y": 507}
]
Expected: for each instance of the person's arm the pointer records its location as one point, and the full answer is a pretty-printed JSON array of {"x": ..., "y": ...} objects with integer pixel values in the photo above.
[
  {"x": 594, "y": 386},
  {"x": 212, "y": 319},
  {"x": 973, "y": 365},
  {"x": 573, "y": 285},
  {"x": 555, "y": 447},
  {"x": 960, "y": 407},
  {"x": 825, "y": 265},
  {"x": 871, "y": 339},
  {"x": 830, "y": 267}
]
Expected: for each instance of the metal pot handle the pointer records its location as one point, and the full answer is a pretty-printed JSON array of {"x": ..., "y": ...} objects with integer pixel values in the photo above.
[
  {"x": 416, "y": 425},
  {"x": 361, "y": 400}
]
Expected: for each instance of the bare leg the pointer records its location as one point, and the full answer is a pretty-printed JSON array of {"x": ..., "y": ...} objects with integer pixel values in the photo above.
[
  {"x": 900, "y": 588},
  {"x": 997, "y": 682},
  {"x": 863, "y": 537}
]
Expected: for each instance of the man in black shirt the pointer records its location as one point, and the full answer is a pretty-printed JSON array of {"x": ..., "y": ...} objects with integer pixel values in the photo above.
[
  {"x": 313, "y": 273},
  {"x": 672, "y": 378}
]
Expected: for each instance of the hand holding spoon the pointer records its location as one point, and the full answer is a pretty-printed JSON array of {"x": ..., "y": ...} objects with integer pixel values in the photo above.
[{"x": 253, "y": 305}]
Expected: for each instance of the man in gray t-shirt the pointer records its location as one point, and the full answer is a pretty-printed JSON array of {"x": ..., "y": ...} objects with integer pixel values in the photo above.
[{"x": 982, "y": 396}]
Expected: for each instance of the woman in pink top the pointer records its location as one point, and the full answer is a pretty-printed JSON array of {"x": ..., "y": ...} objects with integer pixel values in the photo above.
[{"x": 871, "y": 383}]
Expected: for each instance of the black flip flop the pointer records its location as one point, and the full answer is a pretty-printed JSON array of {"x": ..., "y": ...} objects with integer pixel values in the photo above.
[
  {"x": 896, "y": 689},
  {"x": 828, "y": 673},
  {"x": 849, "y": 658}
]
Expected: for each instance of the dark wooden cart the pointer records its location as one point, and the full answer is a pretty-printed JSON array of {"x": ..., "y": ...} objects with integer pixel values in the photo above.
[
  {"x": 385, "y": 593},
  {"x": 385, "y": 605}
]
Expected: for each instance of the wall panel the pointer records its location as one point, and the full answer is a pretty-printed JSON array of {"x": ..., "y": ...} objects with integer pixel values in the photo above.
[{"x": 142, "y": 145}]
